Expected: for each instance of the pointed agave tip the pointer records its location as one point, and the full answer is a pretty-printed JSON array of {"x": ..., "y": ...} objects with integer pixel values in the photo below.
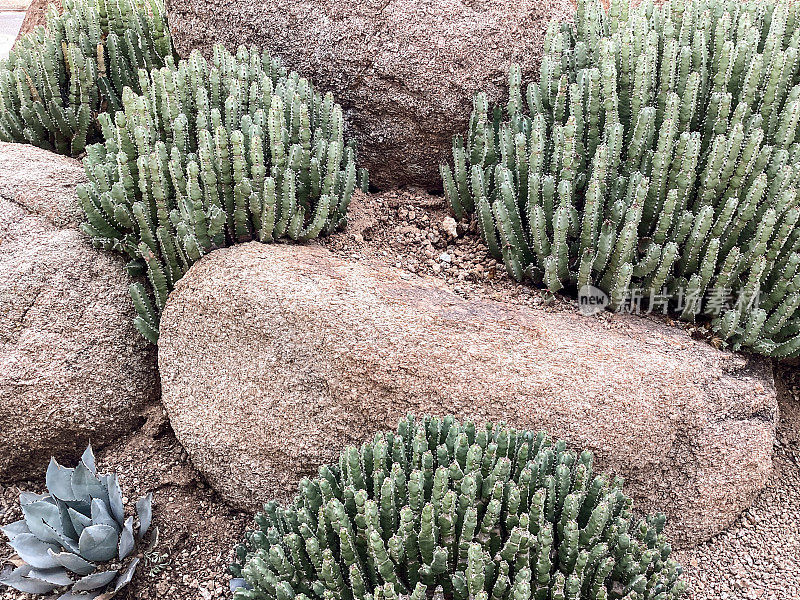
[{"x": 88, "y": 459}]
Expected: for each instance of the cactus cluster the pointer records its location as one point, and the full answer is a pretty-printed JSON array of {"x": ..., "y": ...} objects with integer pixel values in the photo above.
[
  {"x": 444, "y": 510},
  {"x": 211, "y": 154},
  {"x": 57, "y": 79},
  {"x": 76, "y": 539},
  {"x": 656, "y": 159}
]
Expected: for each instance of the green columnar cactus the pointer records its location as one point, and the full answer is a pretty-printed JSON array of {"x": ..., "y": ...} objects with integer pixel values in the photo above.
[
  {"x": 657, "y": 154},
  {"x": 211, "y": 154},
  {"x": 57, "y": 79},
  {"x": 76, "y": 539},
  {"x": 445, "y": 510}
]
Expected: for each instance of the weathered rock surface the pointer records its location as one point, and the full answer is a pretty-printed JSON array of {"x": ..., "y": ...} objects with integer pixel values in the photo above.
[
  {"x": 42, "y": 183},
  {"x": 405, "y": 70},
  {"x": 72, "y": 366},
  {"x": 275, "y": 357}
]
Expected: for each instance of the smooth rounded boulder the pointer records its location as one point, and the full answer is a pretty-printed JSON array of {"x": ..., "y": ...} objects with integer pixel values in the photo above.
[
  {"x": 72, "y": 366},
  {"x": 275, "y": 357},
  {"x": 405, "y": 72}
]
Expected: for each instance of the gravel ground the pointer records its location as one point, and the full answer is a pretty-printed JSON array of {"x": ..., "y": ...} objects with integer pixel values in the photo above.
[{"x": 758, "y": 557}]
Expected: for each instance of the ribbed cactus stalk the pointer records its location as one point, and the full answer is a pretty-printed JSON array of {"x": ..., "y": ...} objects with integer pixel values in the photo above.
[
  {"x": 444, "y": 510},
  {"x": 57, "y": 79},
  {"x": 211, "y": 154},
  {"x": 657, "y": 154}
]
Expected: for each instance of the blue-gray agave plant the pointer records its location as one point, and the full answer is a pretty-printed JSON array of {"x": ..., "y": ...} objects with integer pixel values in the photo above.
[{"x": 75, "y": 540}]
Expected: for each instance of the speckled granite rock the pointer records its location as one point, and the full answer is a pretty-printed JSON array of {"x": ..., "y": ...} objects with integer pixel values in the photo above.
[
  {"x": 405, "y": 71},
  {"x": 72, "y": 366},
  {"x": 274, "y": 357},
  {"x": 42, "y": 183}
]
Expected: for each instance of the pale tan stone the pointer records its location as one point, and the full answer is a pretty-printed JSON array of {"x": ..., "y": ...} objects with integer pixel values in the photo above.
[
  {"x": 72, "y": 366},
  {"x": 274, "y": 357}
]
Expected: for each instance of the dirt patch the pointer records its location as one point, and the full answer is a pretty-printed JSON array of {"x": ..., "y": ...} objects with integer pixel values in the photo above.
[{"x": 415, "y": 232}]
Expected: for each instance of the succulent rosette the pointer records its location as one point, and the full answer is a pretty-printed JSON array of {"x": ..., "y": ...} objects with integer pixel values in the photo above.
[{"x": 76, "y": 540}]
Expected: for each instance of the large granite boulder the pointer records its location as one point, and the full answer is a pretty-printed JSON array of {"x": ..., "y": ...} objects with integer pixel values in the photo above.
[
  {"x": 405, "y": 71},
  {"x": 72, "y": 366},
  {"x": 274, "y": 357}
]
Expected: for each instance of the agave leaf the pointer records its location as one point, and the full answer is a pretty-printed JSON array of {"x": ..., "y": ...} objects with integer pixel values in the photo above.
[
  {"x": 79, "y": 521},
  {"x": 85, "y": 508},
  {"x": 153, "y": 540},
  {"x": 73, "y": 563},
  {"x": 28, "y": 497},
  {"x": 65, "y": 542},
  {"x": 126, "y": 576},
  {"x": 238, "y": 582},
  {"x": 56, "y": 576},
  {"x": 46, "y": 522},
  {"x": 12, "y": 530},
  {"x": 45, "y": 510},
  {"x": 98, "y": 543},
  {"x": 115, "y": 498},
  {"x": 102, "y": 516},
  {"x": 88, "y": 459},
  {"x": 144, "y": 508},
  {"x": 59, "y": 481},
  {"x": 94, "y": 581},
  {"x": 67, "y": 527},
  {"x": 40, "y": 514},
  {"x": 18, "y": 579},
  {"x": 126, "y": 539},
  {"x": 34, "y": 551},
  {"x": 86, "y": 486}
]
